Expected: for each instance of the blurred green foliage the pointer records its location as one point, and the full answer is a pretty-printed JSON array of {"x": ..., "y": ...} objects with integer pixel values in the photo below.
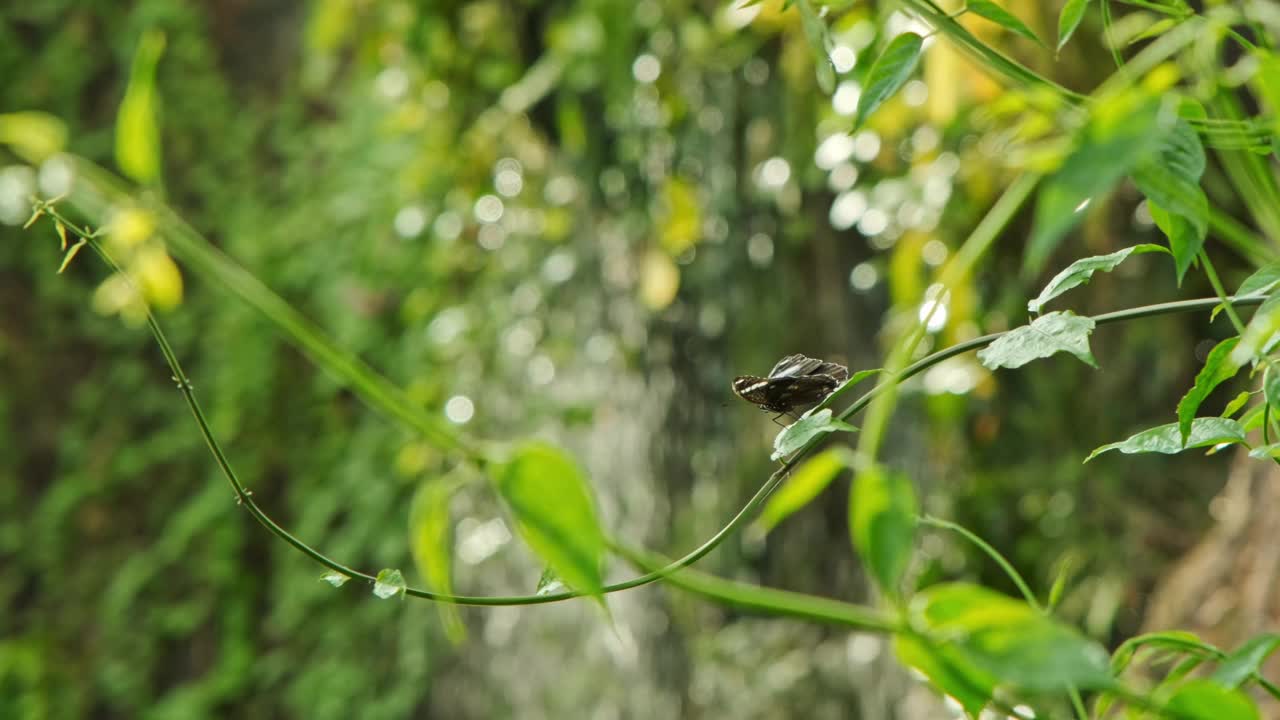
[{"x": 574, "y": 220}]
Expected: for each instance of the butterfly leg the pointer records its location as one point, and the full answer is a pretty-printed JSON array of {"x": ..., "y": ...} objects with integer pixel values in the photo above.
[{"x": 775, "y": 419}]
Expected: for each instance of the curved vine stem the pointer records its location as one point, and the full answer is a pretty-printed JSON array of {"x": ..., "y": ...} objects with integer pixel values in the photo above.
[{"x": 244, "y": 496}]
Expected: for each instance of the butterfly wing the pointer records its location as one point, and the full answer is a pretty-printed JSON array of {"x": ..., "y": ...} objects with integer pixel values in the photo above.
[
  {"x": 835, "y": 370},
  {"x": 794, "y": 366},
  {"x": 783, "y": 394}
]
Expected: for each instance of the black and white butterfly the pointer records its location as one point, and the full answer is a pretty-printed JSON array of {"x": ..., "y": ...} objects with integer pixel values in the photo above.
[{"x": 794, "y": 382}]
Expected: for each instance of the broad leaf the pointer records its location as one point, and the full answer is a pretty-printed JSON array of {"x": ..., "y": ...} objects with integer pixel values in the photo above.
[
  {"x": 882, "y": 519},
  {"x": 815, "y": 30},
  {"x": 1069, "y": 19},
  {"x": 1218, "y": 368},
  {"x": 1079, "y": 272},
  {"x": 1265, "y": 452},
  {"x": 803, "y": 485},
  {"x": 1010, "y": 639},
  {"x": 431, "y": 541},
  {"x": 1047, "y": 335},
  {"x": 1261, "y": 331},
  {"x": 1167, "y": 439},
  {"x": 948, "y": 671},
  {"x": 799, "y": 433},
  {"x": 1186, "y": 236},
  {"x": 1171, "y": 176},
  {"x": 1121, "y": 131},
  {"x": 1205, "y": 700},
  {"x": 1262, "y": 281},
  {"x": 551, "y": 503},
  {"x": 1271, "y": 389},
  {"x": 1242, "y": 663},
  {"x": 1170, "y": 179},
  {"x": 1002, "y": 17},
  {"x": 389, "y": 583},
  {"x": 889, "y": 73}
]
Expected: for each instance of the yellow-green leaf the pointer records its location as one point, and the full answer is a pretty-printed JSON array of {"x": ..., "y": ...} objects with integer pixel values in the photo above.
[
  {"x": 33, "y": 135},
  {"x": 431, "y": 541},
  {"x": 551, "y": 504},
  {"x": 882, "y": 519},
  {"x": 889, "y": 72},
  {"x": 137, "y": 122},
  {"x": 803, "y": 485}
]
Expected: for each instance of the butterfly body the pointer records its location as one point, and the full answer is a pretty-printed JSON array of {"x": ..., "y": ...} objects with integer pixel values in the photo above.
[{"x": 794, "y": 382}]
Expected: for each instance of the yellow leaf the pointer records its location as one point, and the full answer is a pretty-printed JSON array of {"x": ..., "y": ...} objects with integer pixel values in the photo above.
[
  {"x": 33, "y": 136},
  {"x": 682, "y": 223},
  {"x": 659, "y": 280},
  {"x": 431, "y": 540},
  {"x": 130, "y": 228},
  {"x": 158, "y": 276}
]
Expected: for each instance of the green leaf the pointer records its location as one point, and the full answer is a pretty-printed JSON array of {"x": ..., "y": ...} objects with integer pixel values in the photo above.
[
  {"x": 1271, "y": 388},
  {"x": 1180, "y": 155},
  {"x": 1186, "y": 239},
  {"x": 803, "y": 485},
  {"x": 431, "y": 541},
  {"x": 1069, "y": 19},
  {"x": 1003, "y": 18},
  {"x": 882, "y": 519},
  {"x": 815, "y": 30},
  {"x": 1264, "y": 280},
  {"x": 1060, "y": 582},
  {"x": 548, "y": 583},
  {"x": 1170, "y": 179},
  {"x": 1260, "y": 332},
  {"x": 1121, "y": 131},
  {"x": 1079, "y": 272},
  {"x": 799, "y": 433},
  {"x": 1167, "y": 439},
  {"x": 1246, "y": 660},
  {"x": 1047, "y": 335},
  {"x": 1218, "y": 368},
  {"x": 1265, "y": 452},
  {"x": 551, "y": 503},
  {"x": 1236, "y": 403},
  {"x": 71, "y": 254},
  {"x": 335, "y": 578},
  {"x": 1010, "y": 639},
  {"x": 848, "y": 385},
  {"x": 1266, "y": 82},
  {"x": 1176, "y": 641},
  {"x": 389, "y": 583},
  {"x": 948, "y": 671},
  {"x": 137, "y": 128},
  {"x": 889, "y": 73},
  {"x": 1205, "y": 700}
]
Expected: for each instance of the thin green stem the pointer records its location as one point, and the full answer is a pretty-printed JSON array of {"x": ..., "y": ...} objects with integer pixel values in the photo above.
[
  {"x": 1107, "y": 36},
  {"x": 1077, "y": 704},
  {"x": 1212, "y": 274},
  {"x": 976, "y": 245},
  {"x": 1240, "y": 237},
  {"x": 992, "y": 553},
  {"x": 763, "y": 599},
  {"x": 244, "y": 496}
]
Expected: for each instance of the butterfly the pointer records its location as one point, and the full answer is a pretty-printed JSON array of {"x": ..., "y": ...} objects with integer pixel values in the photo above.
[{"x": 795, "y": 381}]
